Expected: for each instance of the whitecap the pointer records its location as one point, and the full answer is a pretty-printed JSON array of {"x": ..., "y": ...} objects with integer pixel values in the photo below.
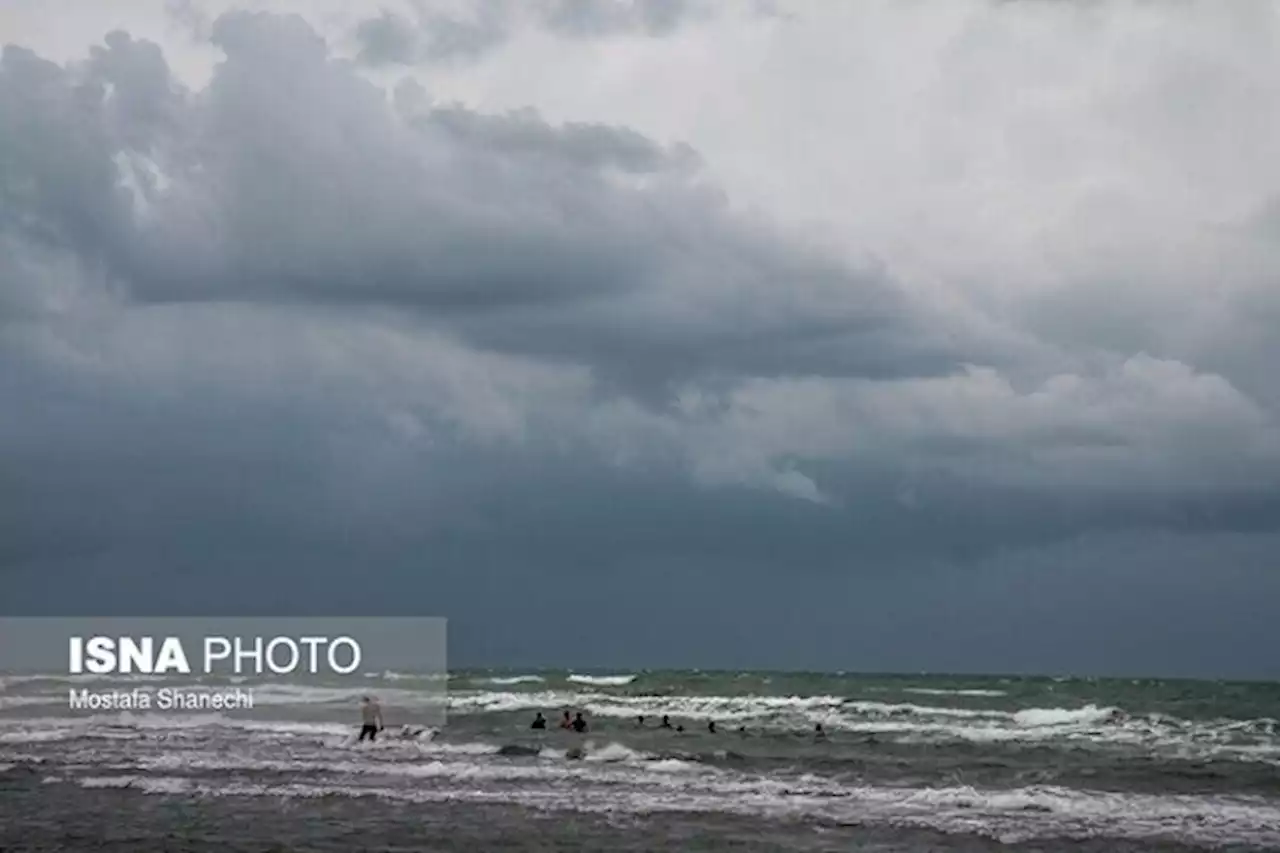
[{"x": 602, "y": 680}]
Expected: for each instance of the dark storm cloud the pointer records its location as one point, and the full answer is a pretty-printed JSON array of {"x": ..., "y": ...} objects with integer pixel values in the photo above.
[
  {"x": 290, "y": 178},
  {"x": 291, "y": 343}
]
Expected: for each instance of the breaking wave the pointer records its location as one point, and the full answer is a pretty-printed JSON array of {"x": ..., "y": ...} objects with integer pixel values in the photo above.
[
  {"x": 503, "y": 681},
  {"x": 1007, "y": 815},
  {"x": 602, "y": 680},
  {"x": 937, "y": 691},
  {"x": 1249, "y": 740},
  {"x": 1031, "y": 767}
]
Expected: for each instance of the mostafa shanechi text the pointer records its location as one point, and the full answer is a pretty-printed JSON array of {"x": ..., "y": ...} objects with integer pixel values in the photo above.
[
  {"x": 164, "y": 699},
  {"x": 214, "y": 656}
]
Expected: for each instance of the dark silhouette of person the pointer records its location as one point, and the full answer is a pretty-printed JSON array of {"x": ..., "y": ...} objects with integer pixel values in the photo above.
[
  {"x": 666, "y": 722},
  {"x": 711, "y": 726},
  {"x": 539, "y": 722},
  {"x": 579, "y": 724},
  {"x": 640, "y": 722},
  {"x": 818, "y": 733}
]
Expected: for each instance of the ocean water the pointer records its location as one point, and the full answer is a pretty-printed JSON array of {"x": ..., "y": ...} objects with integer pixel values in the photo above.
[{"x": 907, "y": 762}]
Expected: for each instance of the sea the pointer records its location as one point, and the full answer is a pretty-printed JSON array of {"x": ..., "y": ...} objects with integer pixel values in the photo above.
[{"x": 902, "y": 762}]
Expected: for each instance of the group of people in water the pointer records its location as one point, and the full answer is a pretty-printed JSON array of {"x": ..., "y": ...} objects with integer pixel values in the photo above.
[
  {"x": 371, "y": 723},
  {"x": 577, "y": 723}
]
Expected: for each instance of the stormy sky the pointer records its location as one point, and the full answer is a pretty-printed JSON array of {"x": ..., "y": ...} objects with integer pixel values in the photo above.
[{"x": 877, "y": 335}]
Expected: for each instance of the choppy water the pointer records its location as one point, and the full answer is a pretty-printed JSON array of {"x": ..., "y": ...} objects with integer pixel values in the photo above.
[{"x": 1004, "y": 759}]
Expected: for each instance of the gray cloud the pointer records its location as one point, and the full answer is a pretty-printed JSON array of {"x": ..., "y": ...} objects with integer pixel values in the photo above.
[
  {"x": 581, "y": 242},
  {"x": 426, "y": 34},
  {"x": 388, "y": 39},
  {"x": 286, "y": 326},
  {"x": 601, "y": 17},
  {"x": 395, "y": 39}
]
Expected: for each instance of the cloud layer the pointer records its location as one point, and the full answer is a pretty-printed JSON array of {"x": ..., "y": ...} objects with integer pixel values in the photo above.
[{"x": 853, "y": 316}]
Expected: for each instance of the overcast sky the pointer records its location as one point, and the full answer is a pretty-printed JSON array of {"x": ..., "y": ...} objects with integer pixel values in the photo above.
[{"x": 867, "y": 335}]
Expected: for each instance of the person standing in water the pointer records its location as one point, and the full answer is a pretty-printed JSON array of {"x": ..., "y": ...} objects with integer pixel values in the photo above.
[
  {"x": 579, "y": 724},
  {"x": 565, "y": 721},
  {"x": 370, "y": 719},
  {"x": 539, "y": 722}
]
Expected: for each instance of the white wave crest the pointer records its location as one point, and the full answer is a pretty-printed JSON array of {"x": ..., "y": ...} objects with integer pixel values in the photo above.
[
  {"x": 511, "y": 679},
  {"x": 937, "y": 691},
  {"x": 1033, "y": 717},
  {"x": 1008, "y": 815},
  {"x": 609, "y": 705},
  {"x": 390, "y": 675},
  {"x": 612, "y": 752},
  {"x": 602, "y": 680}
]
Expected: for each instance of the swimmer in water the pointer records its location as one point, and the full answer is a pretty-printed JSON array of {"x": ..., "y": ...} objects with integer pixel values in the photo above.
[
  {"x": 539, "y": 722},
  {"x": 565, "y": 721},
  {"x": 711, "y": 726},
  {"x": 666, "y": 722},
  {"x": 818, "y": 733},
  {"x": 579, "y": 724},
  {"x": 370, "y": 719},
  {"x": 640, "y": 722}
]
